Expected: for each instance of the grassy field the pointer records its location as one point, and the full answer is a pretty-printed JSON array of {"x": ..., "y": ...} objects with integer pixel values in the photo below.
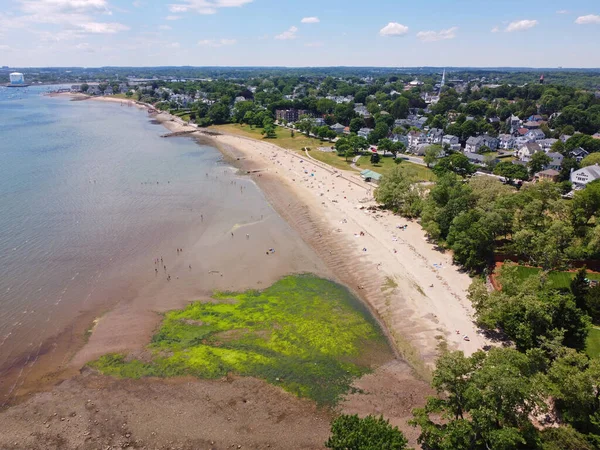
[
  {"x": 296, "y": 143},
  {"x": 421, "y": 173},
  {"x": 559, "y": 280},
  {"x": 300, "y": 141},
  {"x": 593, "y": 343},
  {"x": 306, "y": 334}
]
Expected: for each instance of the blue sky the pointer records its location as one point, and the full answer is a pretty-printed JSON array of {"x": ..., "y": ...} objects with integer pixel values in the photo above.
[{"x": 397, "y": 33}]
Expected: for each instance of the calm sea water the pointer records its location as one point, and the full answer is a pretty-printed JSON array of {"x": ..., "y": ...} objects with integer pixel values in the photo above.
[{"x": 85, "y": 188}]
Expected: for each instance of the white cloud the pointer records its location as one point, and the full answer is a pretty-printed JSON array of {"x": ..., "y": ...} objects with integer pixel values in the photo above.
[
  {"x": 562, "y": 11},
  {"x": 103, "y": 27},
  {"x": 589, "y": 19},
  {"x": 173, "y": 17},
  {"x": 310, "y": 20},
  {"x": 85, "y": 47},
  {"x": 495, "y": 30},
  {"x": 313, "y": 44},
  {"x": 138, "y": 3},
  {"x": 75, "y": 17},
  {"x": 205, "y": 6},
  {"x": 521, "y": 25},
  {"x": 4, "y": 47},
  {"x": 289, "y": 34},
  {"x": 216, "y": 42},
  {"x": 433, "y": 36},
  {"x": 173, "y": 45},
  {"x": 164, "y": 27},
  {"x": 393, "y": 29}
]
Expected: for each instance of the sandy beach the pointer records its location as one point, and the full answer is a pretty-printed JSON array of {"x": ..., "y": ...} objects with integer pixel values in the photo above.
[
  {"x": 330, "y": 208},
  {"x": 413, "y": 290}
]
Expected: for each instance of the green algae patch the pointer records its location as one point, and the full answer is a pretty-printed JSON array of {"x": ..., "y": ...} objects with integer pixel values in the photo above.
[{"x": 306, "y": 334}]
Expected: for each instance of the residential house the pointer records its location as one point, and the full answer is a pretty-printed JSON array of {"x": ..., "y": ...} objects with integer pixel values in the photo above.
[
  {"x": 239, "y": 99},
  {"x": 318, "y": 122},
  {"x": 435, "y": 136},
  {"x": 76, "y": 88},
  {"x": 564, "y": 138},
  {"x": 490, "y": 141},
  {"x": 416, "y": 138},
  {"x": 361, "y": 110},
  {"x": 108, "y": 90},
  {"x": 289, "y": 115},
  {"x": 531, "y": 125},
  {"x": 526, "y": 152},
  {"x": 420, "y": 149},
  {"x": 596, "y": 135},
  {"x": 514, "y": 123},
  {"x": 557, "y": 160},
  {"x": 338, "y": 128},
  {"x": 547, "y": 175},
  {"x": 579, "y": 154},
  {"x": 547, "y": 144},
  {"x": 535, "y": 135},
  {"x": 364, "y": 132},
  {"x": 400, "y": 138},
  {"x": 452, "y": 141},
  {"x": 535, "y": 118},
  {"x": 521, "y": 141},
  {"x": 481, "y": 160},
  {"x": 506, "y": 141},
  {"x": 580, "y": 178},
  {"x": 474, "y": 143}
]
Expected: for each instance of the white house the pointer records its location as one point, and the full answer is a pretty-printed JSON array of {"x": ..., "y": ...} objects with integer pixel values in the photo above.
[
  {"x": 580, "y": 178},
  {"x": 547, "y": 144},
  {"x": 435, "y": 136},
  {"x": 338, "y": 128},
  {"x": 452, "y": 141},
  {"x": 506, "y": 141},
  {"x": 364, "y": 132},
  {"x": 416, "y": 138},
  {"x": 535, "y": 135},
  {"x": 526, "y": 152},
  {"x": 474, "y": 143}
]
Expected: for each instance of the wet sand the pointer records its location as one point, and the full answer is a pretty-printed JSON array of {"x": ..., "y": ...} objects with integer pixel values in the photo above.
[{"x": 195, "y": 413}]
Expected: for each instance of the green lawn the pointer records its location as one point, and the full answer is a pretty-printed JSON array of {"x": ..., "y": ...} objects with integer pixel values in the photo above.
[
  {"x": 560, "y": 280},
  {"x": 593, "y": 343},
  {"x": 299, "y": 141},
  {"x": 386, "y": 164}
]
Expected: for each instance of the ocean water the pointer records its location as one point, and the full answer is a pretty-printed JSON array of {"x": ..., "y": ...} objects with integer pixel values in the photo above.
[{"x": 87, "y": 189}]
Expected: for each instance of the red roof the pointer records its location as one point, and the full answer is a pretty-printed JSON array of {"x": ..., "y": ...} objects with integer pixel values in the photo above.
[{"x": 523, "y": 131}]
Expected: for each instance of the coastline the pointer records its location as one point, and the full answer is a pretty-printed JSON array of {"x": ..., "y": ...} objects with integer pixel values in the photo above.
[
  {"x": 426, "y": 301},
  {"x": 127, "y": 325},
  {"x": 428, "y": 305}
]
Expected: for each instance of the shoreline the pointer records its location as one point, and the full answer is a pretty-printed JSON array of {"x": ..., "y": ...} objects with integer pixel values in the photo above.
[
  {"x": 428, "y": 306},
  {"x": 425, "y": 303},
  {"x": 127, "y": 326}
]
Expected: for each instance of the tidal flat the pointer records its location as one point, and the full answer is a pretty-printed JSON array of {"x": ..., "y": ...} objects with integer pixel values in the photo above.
[{"x": 306, "y": 334}]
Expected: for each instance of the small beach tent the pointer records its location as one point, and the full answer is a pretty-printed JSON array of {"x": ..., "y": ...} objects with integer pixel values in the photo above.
[{"x": 369, "y": 175}]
